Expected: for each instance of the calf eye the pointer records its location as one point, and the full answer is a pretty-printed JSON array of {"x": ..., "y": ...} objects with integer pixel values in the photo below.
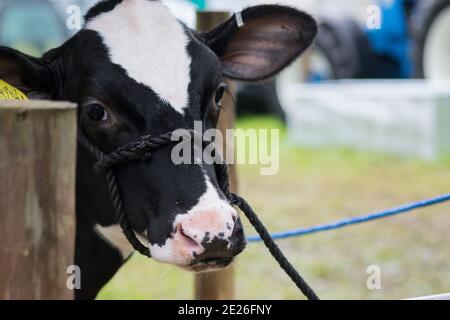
[
  {"x": 96, "y": 112},
  {"x": 211, "y": 114},
  {"x": 220, "y": 93}
]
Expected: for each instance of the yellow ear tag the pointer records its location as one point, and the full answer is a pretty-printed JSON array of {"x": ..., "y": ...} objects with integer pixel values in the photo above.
[{"x": 8, "y": 92}]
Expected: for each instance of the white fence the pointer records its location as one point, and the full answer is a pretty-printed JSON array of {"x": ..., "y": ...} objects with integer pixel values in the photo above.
[{"x": 410, "y": 118}]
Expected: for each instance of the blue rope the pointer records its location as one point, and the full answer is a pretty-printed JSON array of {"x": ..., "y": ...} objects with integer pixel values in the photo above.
[{"x": 356, "y": 220}]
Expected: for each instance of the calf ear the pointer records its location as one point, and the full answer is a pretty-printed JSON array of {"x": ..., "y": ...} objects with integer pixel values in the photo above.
[
  {"x": 28, "y": 74},
  {"x": 261, "y": 41}
]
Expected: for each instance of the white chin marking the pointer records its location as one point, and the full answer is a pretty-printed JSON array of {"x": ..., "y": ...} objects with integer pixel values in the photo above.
[
  {"x": 169, "y": 253},
  {"x": 146, "y": 40}
]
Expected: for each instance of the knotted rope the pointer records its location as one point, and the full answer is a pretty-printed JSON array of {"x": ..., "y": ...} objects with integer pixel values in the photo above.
[{"x": 142, "y": 150}]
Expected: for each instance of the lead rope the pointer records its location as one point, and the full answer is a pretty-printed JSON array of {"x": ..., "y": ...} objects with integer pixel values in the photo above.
[
  {"x": 277, "y": 254},
  {"x": 141, "y": 150}
]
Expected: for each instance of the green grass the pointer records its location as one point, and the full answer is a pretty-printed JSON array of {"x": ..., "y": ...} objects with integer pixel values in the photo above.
[{"x": 316, "y": 186}]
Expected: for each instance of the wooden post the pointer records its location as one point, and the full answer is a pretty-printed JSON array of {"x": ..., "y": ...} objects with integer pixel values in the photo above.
[
  {"x": 37, "y": 198},
  {"x": 218, "y": 285}
]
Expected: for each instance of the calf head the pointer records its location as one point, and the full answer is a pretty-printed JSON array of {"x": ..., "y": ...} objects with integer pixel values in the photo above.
[{"x": 135, "y": 70}]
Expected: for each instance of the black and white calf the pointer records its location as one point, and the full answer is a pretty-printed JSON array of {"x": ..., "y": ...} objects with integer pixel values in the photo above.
[{"x": 135, "y": 70}]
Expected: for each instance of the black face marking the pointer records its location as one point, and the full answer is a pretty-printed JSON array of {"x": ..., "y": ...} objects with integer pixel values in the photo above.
[
  {"x": 206, "y": 239},
  {"x": 155, "y": 191},
  {"x": 101, "y": 7},
  {"x": 217, "y": 252}
]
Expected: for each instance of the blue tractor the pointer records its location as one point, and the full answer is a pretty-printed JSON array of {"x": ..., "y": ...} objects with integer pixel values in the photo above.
[{"x": 401, "y": 39}]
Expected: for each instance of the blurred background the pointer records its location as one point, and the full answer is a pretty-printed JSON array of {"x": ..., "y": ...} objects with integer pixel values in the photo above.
[{"x": 364, "y": 117}]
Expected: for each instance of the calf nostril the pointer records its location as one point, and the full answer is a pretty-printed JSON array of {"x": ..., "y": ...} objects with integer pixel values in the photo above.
[{"x": 188, "y": 238}]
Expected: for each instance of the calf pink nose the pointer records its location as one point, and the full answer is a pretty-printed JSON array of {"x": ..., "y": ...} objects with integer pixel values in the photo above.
[
  {"x": 210, "y": 220},
  {"x": 196, "y": 230},
  {"x": 187, "y": 241}
]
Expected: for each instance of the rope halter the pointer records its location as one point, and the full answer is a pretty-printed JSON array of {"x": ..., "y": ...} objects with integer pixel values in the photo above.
[{"x": 142, "y": 150}]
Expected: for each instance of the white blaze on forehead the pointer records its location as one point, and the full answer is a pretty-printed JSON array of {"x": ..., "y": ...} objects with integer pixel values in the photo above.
[
  {"x": 145, "y": 39},
  {"x": 212, "y": 217}
]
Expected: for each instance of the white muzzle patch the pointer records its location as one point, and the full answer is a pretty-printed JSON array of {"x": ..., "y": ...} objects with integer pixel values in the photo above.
[{"x": 211, "y": 218}]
